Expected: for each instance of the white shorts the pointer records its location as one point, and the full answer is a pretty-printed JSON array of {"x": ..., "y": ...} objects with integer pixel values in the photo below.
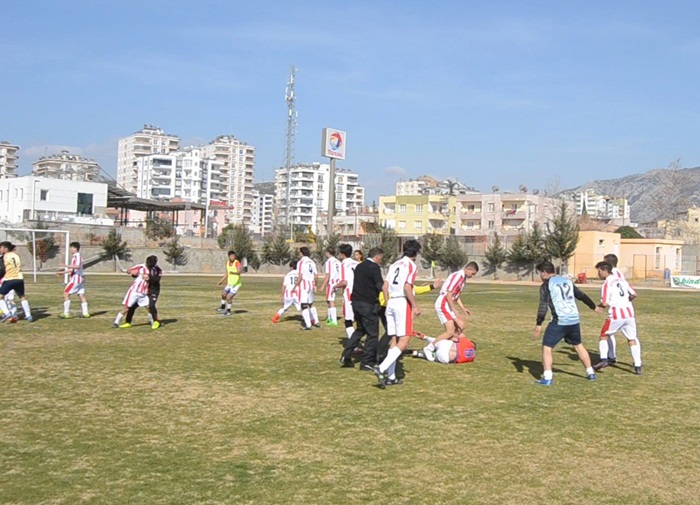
[
  {"x": 442, "y": 351},
  {"x": 399, "y": 317},
  {"x": 443, "y": 310},
  {"x": 10, "y": 296},
  {"x": 231, "y": 290},
  {"x": 348, "y": 313},
  {"x": 288, "y": 302},
  {"x": 628, "y": 327},
  {"x": 330, "y": 293},
  {"x": 306, "y": 296},
  {"x": 135, "y": 298},
  {"x": 73, "y": 288}
]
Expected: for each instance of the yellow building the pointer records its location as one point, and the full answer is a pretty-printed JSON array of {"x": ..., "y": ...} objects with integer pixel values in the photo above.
[
  {"x": 418, "y": 215},
  {"x": 591, "y": 248},
  {"x": 647, "y": 258}
]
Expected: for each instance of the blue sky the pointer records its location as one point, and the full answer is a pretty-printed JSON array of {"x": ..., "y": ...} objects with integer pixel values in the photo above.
[{"x": 541, "y": 93}]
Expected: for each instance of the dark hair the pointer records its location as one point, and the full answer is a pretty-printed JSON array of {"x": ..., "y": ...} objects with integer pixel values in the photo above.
[
  {"x": 473, "y": 265},
  {"x": 7, "y": 245},
  {"x": 293, "y": 264},
  {"x": 545, "y": 266},
  {"x": 231, "y": 252},
  {"x": 151, "y": 261},
  {"x": 375, "y": 251},
  {"x": 605, "y": 266},
  {"x": 330, "y": 250},
  {"x": 411, "y": 248},
  {"x": 361, "y": 253},
  {"x": 304, "y": 251},
  {"x": 611, "y": 259},
  {"x": 345, "y": 250},
  {"x": 75, "y": 245}
]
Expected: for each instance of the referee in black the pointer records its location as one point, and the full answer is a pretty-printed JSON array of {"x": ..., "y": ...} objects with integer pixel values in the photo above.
[{"x": 365, "y": 304}]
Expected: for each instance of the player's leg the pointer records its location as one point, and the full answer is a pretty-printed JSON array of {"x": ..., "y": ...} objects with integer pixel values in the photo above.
[
  {"x": 552, "y": 335},
  {"x": 603, "y": 351},
  {"x": 152, "y": 300},
  {"x": 83, "y": 303},
  {"x": 314, "y": 313},
  {"x": 306, "y": 315},
  {"x": 610, "y": 353},
  {"x": 130, "y": 314},
  {"x": 629, "y": 330},
  {"x": 348, "y": 317},
  {"x": 129, "y": 300},
  {"x": 573, "y": 337},
  {"x": 224, "y": 296},
  {"x": 360, "y": 309},
  {"x": 66, "y": 300},
  {"x": 19, "y": 289},
  {"x": 446, "y": 352}
]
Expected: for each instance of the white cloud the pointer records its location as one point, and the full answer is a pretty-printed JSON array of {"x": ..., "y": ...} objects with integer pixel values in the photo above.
[
  {"x": 104, "y": 153},
  {"x": 396, "y": 170}
]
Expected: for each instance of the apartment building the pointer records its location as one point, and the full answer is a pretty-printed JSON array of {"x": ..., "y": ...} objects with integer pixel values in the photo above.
[
  {"x": 302, "y": 194},
  {"x": 237, "y": 162},
  {"x": 596, "y": 206},
  {"x": 147, "y": 141},
  {"x": 427, "y": 185},
  {"x": 66, "y": 166},
  {"x": 507, "y": 214},
  {"x": 8, "y": 159},
  {"x": 262, "y": 221},
  {"x": 413, "y": 216}
]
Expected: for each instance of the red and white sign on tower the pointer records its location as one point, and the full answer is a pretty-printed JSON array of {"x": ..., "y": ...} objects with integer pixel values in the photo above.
[{"x": 333, "y": 143}]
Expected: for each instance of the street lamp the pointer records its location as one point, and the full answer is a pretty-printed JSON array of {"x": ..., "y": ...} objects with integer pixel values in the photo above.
[{"x": 34, "y": 183}]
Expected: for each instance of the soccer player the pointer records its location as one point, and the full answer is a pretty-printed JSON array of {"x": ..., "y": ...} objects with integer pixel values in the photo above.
[
  {"x": 445, "y": 305},
  {"x": 401, "y": 307},
  {"x": 154, "y": 275},
  {"x": 76, "y": 281},
  {"x": 290, "y": 293},
  {"x": 558, "y": 294},
  {"x": 306, "y": 283},
  {"x": 232, "y": 277},
  {"x": 136, "y": 295},
  {"x": 347, "y": 277},
  {"x": 617, "y": 296},
  {"x": 612, "y": 347},
  {"x": 331, "y": 279},
  {"x": 456, "y": 349},
  {"x": 12, "y": 279}
]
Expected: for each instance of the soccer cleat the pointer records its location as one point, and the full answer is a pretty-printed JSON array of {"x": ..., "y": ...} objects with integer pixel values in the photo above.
[
  {"x": 333, "y": 323},
  {"x": 418, "y": 354},
  {"x": 544, "y": 382},
  {"x": 638, "y": 370},
  {"x": 64, "y": 316},
  {"x": 604, "y": 363},
  {"x": 115, "y": 325},
  {"x": 155, "y": 325},
  {"x": 275, "y": 318},
  {"x": 221, "y": 309},
  {"x": 317, "y": 325},
  {"x": 381, "y": 377},
  {"x": 125, "y": 325},
  {"x": 6, "y": 317},
  {"x": 346, "y": 363},
  {"x": 428, "y": 354},
  {"x": 30, "y": 319},
  {"x": 366, "y": 368},
  {"x": 86, "y": 316},
  {"x": 591, "y": 376},
  {"x": 418, "y": 334},
  {"x": 612, "y": 360},
  {"x": 305, "y": 328},
  {"x": 227, "y": 313},
  {"x": 394, "y": 382}
]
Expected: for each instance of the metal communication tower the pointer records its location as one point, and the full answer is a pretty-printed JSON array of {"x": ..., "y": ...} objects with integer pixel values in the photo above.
[{"x": 292, "y": 115}]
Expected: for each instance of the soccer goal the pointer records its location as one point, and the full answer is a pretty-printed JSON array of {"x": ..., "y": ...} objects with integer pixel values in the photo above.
[{"x": 42, "y": 245}]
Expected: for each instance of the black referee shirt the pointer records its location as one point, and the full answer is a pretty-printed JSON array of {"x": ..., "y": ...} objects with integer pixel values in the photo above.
[{"x": 368, "y": 282}]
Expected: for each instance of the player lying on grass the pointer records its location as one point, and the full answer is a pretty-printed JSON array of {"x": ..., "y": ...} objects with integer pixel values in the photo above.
[{"x": 455, "y": 349}]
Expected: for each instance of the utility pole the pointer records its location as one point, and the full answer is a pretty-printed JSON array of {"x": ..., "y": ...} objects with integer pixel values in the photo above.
[{"x": 292, "y": 115}]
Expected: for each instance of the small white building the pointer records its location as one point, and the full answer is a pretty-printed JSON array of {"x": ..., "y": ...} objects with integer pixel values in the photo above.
[
  {"x": 261, "y": 223},
  {"x": 39, "y": 198}
]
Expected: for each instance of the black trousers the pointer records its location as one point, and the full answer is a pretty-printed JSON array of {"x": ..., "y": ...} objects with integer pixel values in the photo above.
[
  {"x": 152, "y": 299},
  {"x": 367, "y": 320}
]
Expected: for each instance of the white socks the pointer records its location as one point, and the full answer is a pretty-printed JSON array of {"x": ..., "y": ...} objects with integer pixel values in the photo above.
[
  {"x": 612, "y": 352},
  {"x": 307, "y": 318},
  {"x": 332, "y": 315},
  {"x": 548, "y": 375},
  {"x": 119, "y": 318},
  {"x": 83, "y": 306},
  {"x": 349, "y": 330},
  {"x": 603, "y": 349},
  {"x": 26, "y": 309},
  {"x": 66, "y": 307},
  {"x": 314, "y": 315},
  {"x": 390, "y": 359},
  {"x": 636, "y": 351}
]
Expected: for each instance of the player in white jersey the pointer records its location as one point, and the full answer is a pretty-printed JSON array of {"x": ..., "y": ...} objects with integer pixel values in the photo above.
[
  {"x": 612, "y": 342},
  {"x": 76, "y": 282},
  {"x": 616, "y": 296},
  {"x": 137, "y": 293},
  {"x": 331, "y": 268},
  {"x": 445, "y": 305},
  {"x": 401, "y": 308},
  {"x": 306, "y": 283},
  {"x": 290, "y": 294},
  {"x": 347, "y": 276}
]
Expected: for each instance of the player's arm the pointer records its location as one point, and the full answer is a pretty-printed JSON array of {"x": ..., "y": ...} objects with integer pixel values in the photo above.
[
  {"x": 408, "y": 291},
  {"x": 223, "y": 279},
  {"x": 299, "y": 275},
  {"x": 385, "y": 291},
  {"x": 427, "y": 288},
  {"x": 541, "y": 309},
  {"x": 466, "y": 311},
  {"x": 580, "y": 295}
]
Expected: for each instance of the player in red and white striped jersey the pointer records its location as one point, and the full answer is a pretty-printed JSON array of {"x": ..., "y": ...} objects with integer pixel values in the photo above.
[
  {"x": 401, "y": 308},
  {"x": 136, "y": 295},
  {"x": 290, "y": 293},
  {"x": 347, "y": 277},
  {"x": 617, "y": 296},
  {"x": 76, "y": 281},
  {"x": 332, "y": 269},
  {"x": 306, "y": 268},
  {"x": 445, "y": 305},
  {"x": 612, "y": 347}
]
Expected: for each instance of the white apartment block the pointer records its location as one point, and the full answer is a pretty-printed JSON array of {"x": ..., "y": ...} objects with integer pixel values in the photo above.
[
  {"x": 427, "y": 185},
  {"x": 149, "y": 140},
  {"x": 596, "y": 206},
  {"x": 187, "y": 175},
  {"x": 261, "y": 223},
  {"x": 66, "y": 166},
  {"x": 8, "y": 159},
  {"x": 306, "y": 188},
  {"x": 508, "y": 214},
  {"x": 237, "y": 161}
]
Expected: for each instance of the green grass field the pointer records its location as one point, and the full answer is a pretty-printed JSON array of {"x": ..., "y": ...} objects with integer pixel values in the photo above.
[{"x": 213, "y": 410}]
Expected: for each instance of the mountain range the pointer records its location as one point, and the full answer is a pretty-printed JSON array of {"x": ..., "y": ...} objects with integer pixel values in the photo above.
[{"x": 653, "y": 195}]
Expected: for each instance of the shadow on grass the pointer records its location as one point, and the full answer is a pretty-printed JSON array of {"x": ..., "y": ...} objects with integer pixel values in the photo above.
[
  {"x": 99, "y": 313},
  {"x": 535, "y": 369},
  {"x": 167, "y": 321}
]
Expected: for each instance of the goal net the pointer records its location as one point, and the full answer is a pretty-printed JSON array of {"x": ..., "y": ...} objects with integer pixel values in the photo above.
[{"x": 41, "y": 245}]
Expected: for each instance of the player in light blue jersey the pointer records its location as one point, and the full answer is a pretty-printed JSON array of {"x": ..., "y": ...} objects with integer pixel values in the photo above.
[{"x": 559, "y": 295}]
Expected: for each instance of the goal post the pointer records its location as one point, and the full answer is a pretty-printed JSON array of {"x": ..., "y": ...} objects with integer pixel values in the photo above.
[{"x": 30, "y": 237}]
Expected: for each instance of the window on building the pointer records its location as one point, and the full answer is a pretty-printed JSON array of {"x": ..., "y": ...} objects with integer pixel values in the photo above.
[
  {"x": 657, "y": 261},
  {"x": 85, "y": 203},
  {"x": 492, "y": 207},
  {"x": 402, "y": 208},
  {"x": 402, "y": 225},
  {"x": 43, "y": 195},
  {"x": 418, "y": 225},
  {"x": 678, "y": 258},
  {"x": 419, "y": 209},
  {"x": 491, "y": 223},
  {"x": 601, "y": 242},
  {"x": 471, "y": 208}
]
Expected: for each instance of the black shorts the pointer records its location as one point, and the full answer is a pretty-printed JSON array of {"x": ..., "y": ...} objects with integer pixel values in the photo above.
[
  {"x": 9, "y": 285},
  {"x": 556, "y": 332}
]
